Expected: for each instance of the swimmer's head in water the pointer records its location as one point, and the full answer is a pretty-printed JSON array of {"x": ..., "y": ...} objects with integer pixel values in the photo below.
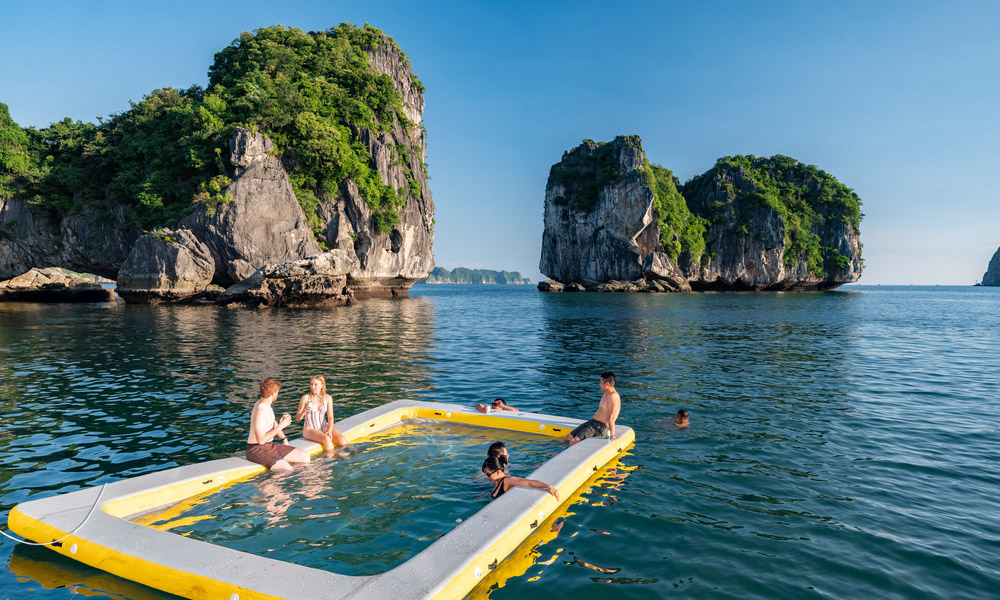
[
  {"x": 681, "y": 418},
  {"x": 494, "y": 464},
  {"x": 498, "y": 449},
  {"x": 499, "y": 402}
]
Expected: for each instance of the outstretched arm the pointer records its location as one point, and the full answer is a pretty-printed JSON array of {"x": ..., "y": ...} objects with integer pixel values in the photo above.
[
  {"x": 520, "y": 481},
  {"x": 505, "y": 407}
]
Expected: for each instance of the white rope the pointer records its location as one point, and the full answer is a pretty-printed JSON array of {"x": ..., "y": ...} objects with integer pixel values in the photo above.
[{"x": 68, "y": 534}]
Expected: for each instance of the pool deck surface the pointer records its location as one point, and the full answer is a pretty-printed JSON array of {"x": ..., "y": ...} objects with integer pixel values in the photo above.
[{"x": 448, "y": 568}]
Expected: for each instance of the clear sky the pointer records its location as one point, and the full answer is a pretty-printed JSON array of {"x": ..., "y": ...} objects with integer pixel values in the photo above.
[{"x": 897, "y": 100}]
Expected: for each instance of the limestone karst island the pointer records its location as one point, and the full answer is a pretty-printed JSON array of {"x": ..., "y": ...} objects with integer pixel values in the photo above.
[
  {"x": 296, "y": 177},
  {"x": 616, "y": 222}
]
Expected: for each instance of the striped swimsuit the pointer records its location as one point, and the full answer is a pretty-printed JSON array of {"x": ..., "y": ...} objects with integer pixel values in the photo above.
[{"x": 315, "y": 416}]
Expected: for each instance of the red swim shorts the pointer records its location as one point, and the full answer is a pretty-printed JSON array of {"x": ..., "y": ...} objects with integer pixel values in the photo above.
[{"x": 267, "y": 454}]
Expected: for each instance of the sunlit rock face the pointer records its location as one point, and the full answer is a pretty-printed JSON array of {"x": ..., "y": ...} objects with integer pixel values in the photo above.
[
  {"x": 389, "y": 262},
  {"x": 166, "y": 267},
  {"x": 261, "y": 223},
  {"x": 597, "y": 212},
  {"x": 52, "y": 285},
  {"x": 319, "y": 280},
  {"x": 601, "y": 225}
]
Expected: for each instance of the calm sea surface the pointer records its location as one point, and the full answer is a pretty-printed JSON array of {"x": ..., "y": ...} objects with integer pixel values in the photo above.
[{"x": 842, "y": 444}]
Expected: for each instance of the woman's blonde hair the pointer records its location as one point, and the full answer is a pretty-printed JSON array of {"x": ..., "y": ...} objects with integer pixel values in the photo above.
[{"x": 322, "y": 381}]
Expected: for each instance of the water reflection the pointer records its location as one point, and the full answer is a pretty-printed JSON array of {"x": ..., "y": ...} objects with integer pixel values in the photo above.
[
  {"x": 39, "y": 569},
  {"x": 824, "y": 427}
]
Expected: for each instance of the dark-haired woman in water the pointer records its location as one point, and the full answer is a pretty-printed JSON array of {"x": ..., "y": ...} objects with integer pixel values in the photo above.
[
  {"x": 498, "y": 449},
  {"x": 495, "y": 468}
]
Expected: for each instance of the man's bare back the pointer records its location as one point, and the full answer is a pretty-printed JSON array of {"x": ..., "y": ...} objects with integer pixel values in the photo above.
[{"x": 607, "y": 411}]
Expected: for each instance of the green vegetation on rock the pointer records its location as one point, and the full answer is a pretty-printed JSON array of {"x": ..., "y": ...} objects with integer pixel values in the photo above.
[
  {"x": 680, "y": 229},
  {"x": 808, "y": 200},
  {"x": 812, "y": 204},
  {"x": 309, "y": 92},
  {"x": 583, "y": 171},
  {"x": 14, "y": 159}
]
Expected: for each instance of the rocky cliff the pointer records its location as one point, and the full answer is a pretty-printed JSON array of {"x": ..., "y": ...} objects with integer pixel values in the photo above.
[
  {"x": 598, "y": 213},
  {"x": 266, "y": 205},
  {"x": 91, "y": 240},
  {"x": 747, "y": 224},
  {"x": 389, "y": 262},
  {"x": 992, "y": 274}
]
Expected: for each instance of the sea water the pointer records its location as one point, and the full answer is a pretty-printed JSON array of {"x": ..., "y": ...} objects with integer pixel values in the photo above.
[
  {"x": 398, "y": 492},
  {"x": 842, "y": 444}
]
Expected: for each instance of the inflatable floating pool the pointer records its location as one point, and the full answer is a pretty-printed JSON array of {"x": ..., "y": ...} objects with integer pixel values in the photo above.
[{"x": 447, "y": 569}]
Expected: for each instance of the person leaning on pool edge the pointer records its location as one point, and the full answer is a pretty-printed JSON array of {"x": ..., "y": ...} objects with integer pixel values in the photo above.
[
  {"x": 495, "y": 469},
  {"x": 605, "y": 417},
  {"x": 498, "y": 404},
  {"x": 263, "y": 429}
]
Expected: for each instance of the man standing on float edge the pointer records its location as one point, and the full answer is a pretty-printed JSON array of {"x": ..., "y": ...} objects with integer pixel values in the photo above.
[{"x": 604, "y": 418}]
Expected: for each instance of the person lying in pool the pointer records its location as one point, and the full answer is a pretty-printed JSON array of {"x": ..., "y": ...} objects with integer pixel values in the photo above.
[
  {"x": 316, "y": 408},
  {"x": 495, "y": 469},
  {"x": 498, "y": 404},
  {"x": 263, "y": 429}
]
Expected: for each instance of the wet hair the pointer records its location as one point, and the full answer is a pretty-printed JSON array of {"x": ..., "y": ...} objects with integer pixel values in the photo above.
[
  {"x": 609, "y": 377},
  {"x": 493, "y": 464},
  {"x": 682, "y": 413},
  {"x": 500, "y": 401},
  {"x": 268, "y": 387},
  {"x": 496, "y": 449},
  {"x": 322, "y": 382}
]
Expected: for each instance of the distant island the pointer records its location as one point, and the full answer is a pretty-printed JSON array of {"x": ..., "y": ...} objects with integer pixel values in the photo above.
[{"x": 477, "y": 276}]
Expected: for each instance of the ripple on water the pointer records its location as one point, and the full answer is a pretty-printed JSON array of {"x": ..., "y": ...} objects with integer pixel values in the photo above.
[{"x": 842, "y": 444}]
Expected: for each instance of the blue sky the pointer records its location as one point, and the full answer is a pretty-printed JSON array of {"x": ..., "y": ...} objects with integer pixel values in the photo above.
[{"x": 898, "y": 100}]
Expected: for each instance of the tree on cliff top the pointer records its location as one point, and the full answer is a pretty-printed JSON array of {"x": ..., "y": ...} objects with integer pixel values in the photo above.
[{"x": 14, "y": 159}]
